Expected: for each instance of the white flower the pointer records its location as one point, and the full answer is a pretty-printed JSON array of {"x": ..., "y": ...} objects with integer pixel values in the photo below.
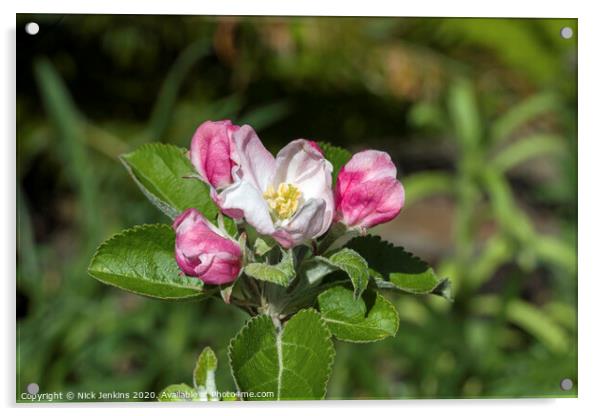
[{"x": 288, "y": 197}]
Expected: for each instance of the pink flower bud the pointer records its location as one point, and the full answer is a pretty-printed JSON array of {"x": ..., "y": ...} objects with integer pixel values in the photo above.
[
  {"x": 367, "y": 191},
  {"x": 210, "y": 152},
  {"x": 204, "y": 251}
]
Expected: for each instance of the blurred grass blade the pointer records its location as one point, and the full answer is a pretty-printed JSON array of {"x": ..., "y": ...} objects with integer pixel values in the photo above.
[
  {"x": 29, "y": 267},
  {"x": 465, "y": 114},
  {"x": 166, "y": 101},
  {"x": 70, "y": 128},
  {"x": 266, "y": 115},
  {"x": 105, "y": 142},
  {"x": 527, "y": 148},
  {"x": 563, "y": 313},
  {"x": 521, "y": 113},
  {"x": 531, "y": 319},
  {"x": 547, "y": 248},
  {"x": 426, "y": 184},
  {"x": 557, "y": 252},
  {"x": 427, "y": 115},
  {"x": 512, "y": 219},
  {"x": 514, "y": 42},
  {"x": 538, "y": 324},
  {"x": 496, "y": 252}
]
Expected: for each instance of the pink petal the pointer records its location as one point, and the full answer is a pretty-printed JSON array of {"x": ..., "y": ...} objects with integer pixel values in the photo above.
[
  {"x": 210, "y": 152},
  {"x": 371, "y": 203},
  {"x": 204, "y": 251},
  {"x": 316, "y": 146},
  {"x": 367, "y": 191}
]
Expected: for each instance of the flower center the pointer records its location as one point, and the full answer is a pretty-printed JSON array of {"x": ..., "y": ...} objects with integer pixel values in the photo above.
[{"x": 284, "y": 201}]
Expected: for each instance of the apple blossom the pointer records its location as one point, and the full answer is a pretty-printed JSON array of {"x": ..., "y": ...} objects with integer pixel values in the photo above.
[
  {"x": 204, "y": 251},
  {"x": 288, "y": 197},
  {"x": 210, "y": 152},
  {"x": 368, "y": 192}
]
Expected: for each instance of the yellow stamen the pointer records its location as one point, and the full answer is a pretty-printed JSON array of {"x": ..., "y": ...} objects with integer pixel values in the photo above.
[{"x": 284, "y": 201}]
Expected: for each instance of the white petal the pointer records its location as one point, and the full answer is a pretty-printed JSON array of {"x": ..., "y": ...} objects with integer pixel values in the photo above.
[
  {"x": 256, "y": 165},
  {"x": 303, "y": 165},
  {"x": 297, "y": 162},
  {"x": 247, "y": 198},
  {"x": 305, "y": 225}
]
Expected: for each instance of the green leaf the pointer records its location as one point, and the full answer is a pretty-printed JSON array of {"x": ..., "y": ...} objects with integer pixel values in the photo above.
[
  {"x": 141, "y": 260},
  {"x": 178, "y": 393},
  {"x": 337, "y": 156},
  {"x": 204, "y": 374},
  {"x": 316, "y": 268},
  {"x": 226, "y": 291},
  {"x": 262, "y": 247},
  {"x": 399, "y": 269},
  {"x": 368, "y": 319},
  {"x": 355, "y": 266},
  {"x": 163, "y": 173},
  {"x": 229, "y": 226},
  {"x": 204, "y": 371},
  {"x": 293, "y": 363},
  {"x": 231, "y": 397},
  {"x": 280, "y": 274}
]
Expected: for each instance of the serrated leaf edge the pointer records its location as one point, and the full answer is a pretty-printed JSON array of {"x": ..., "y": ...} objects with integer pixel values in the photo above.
[
  {"x": 392, "y": 286},
  {"x": 198, "y": 363},
  {"x": 390, "y": 244},
  {"x": 132, "y": 230},
  {"x": 245, "y": 327},
  {"x": 271, "y": 266},
  {"x": 166, "y": 208},
  {"x": 357, "y": 291},
  {"x": 277, "y": 268},
  {"x": 387, "y": 301}
]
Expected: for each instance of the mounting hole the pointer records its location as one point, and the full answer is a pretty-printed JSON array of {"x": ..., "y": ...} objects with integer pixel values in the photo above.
[
  {"x": 32, "y": 28},
  {"x": 566, "y": 32},
  {"x": 33, "y": 388},
  {"x": 566, "y": 384}
]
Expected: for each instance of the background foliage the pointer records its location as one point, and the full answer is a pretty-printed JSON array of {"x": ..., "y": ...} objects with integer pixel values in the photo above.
[{"x": 478, "y": 114}]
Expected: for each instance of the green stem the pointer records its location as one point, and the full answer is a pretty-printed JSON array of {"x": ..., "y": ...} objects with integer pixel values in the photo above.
[{"x": 337, "y": 231}]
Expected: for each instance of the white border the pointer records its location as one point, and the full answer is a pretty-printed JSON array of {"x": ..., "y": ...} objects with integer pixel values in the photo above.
[
  {"x": 590, "y": 230},
  {"x": 507, "y": 8}
]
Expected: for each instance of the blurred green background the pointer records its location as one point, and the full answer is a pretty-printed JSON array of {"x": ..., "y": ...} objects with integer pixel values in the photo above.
[{"x": 478, "y": 114}]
